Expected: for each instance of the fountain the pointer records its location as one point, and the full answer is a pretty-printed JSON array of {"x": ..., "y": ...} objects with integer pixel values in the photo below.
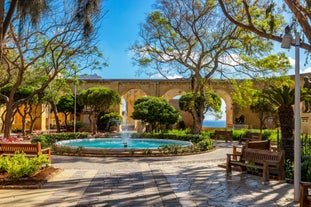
[
  {"x": 118, "y": 146},
  {"x": 125, "y": 134}
]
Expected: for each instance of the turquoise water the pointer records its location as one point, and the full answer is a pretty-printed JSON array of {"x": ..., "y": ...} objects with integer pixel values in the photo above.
[
  {"x": 214, "y": 123},
  {"x": 117, "y": 143}
]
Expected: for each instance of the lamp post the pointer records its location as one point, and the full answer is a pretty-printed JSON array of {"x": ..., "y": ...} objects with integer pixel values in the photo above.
[
  {"x": 286, "y": 43},
  {"x": 75, "y": 111}
]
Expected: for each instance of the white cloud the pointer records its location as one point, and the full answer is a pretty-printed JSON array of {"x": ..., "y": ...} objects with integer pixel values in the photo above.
[
  {"x": 292, "y": 61},
  {"x": 159, "y": 76}
]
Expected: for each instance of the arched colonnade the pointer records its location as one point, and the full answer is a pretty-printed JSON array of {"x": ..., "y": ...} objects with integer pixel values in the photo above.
[{"x": 132, "y": 89}]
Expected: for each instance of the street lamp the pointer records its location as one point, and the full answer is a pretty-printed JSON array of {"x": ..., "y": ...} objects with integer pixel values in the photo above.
[{"x": 286, "y": 43}]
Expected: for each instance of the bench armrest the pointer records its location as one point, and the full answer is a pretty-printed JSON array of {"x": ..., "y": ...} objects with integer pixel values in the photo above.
[
  {"x": 234, "y": 157},
  {"x": 46, "y": 150}
]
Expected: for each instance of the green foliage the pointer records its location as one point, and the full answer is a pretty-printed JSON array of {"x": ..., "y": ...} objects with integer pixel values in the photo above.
[
  {"x": 205, "y": 144},
  {"x": 194, "y": 138},
  {"x": 280, "y": 96},
  {"x": 106, "y": 120},
  {"x": 242, "y": 93},
  {"x": 19, "y": 165},
  {"x": 289, "y": 169},
  {"x": 47, "y": 140},
  {"x": 66, "y": 104},
  {"x": 99, "y": 98},
  {"x": 155, "y": 111},
  {"x": 147, "y": 151},
  {"x": 179, "y": 131},
  {"x": 201, "y": 142},
  {"x": 212, "y": 102},
  {"x": 171, "y": 149},
  {"x": 22, "y": 92},
  {"x": 306, "y": 168}
]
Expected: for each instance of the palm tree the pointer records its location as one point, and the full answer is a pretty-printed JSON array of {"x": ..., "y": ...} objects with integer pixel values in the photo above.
[
  {"x": 33, "y": 10},
  {"x": 283, "y": 98}
]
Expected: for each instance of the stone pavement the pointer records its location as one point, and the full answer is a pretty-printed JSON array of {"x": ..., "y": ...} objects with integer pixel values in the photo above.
[{"x": 186, "y": 181}]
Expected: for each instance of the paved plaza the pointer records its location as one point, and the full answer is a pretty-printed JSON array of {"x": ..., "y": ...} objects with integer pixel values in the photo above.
[{"x": 188, "y": 181}]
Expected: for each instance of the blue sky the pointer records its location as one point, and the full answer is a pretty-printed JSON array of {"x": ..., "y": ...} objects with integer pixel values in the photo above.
[{"x": 119, "y": 30}]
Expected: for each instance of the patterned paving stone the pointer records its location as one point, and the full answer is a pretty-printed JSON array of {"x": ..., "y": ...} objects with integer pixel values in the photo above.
[{"x": 185, "y": 181}]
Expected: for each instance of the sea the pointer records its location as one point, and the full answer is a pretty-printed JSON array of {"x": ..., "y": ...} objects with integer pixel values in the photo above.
[{"x": 214, "y": 123}]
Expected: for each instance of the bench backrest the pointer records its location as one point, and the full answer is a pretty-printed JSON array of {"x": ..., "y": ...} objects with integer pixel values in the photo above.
[
  {"x": 254, "y": 136},
  {"x": 259, "y": 156},
  {"x": 27, "y": 148},
  {"x": 222, "y": 133},
  {"x": 264, "y": 145}
]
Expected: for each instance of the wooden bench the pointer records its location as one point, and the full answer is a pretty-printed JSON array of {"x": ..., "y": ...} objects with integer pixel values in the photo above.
[
  {"x": 251, "y": 136},
  {"x": 28, "y": 148},
  {"x": 265, "y": 160},
  {"x": 264, "y": 145},
  {"x": 227, "y": 135},
  {"x": 305, "y": 194}
]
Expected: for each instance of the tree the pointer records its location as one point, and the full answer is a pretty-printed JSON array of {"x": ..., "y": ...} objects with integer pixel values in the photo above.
[
  {"x": 96, "y": 100},
  {"x": 22, "y": 92},
  {"x": 108, "y": 120},
  {"x": 192, "y": 39},
  {"x": 66, "y": 105},
  {"x": 263, "y": 108},
  {"x": 212, "y": 102},
  {"x": 155, "y": 111},
  {"x": 283, "y": 98},
  {"x": 45, "y": 52},
  {"x": 33, "y": 10},
  {"x": 267, "y": 18}
]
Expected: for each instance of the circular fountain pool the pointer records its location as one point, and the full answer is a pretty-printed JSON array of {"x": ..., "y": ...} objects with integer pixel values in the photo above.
[{"x": 116, "y": 146}]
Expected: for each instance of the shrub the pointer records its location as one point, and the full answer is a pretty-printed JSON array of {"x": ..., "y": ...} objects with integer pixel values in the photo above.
[
  {"x": 205, "y": 145},
  {"x": 306, "y": 168},
  {"x": 171, "y": 149},
  {"x": 19, "y": 165},
  {"x": 289, "y": 169},
  {"x": 147, "y": 151},
  {"x": 47, "y": 140}
]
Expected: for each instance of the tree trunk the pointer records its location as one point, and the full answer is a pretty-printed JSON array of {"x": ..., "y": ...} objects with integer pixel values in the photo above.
[
  {"x": 32, "y": 124},
  {"x": 7, "y": 120},
  {"x": 66, "y": 120},
  {"x": 286, "y": 117},
  {"x": 93, "y": 125},
  {"x": 23, "y": 115},
  {"x": 55, "y": 111},
  {"x": 198, "y": 114}
]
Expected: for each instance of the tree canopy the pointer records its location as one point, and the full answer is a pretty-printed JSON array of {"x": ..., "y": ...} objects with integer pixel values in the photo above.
[
  {"x": 155, "y": 111},
  {"x": 194, "y": 40},
  {"x": 212, "y": 103},
  {"x": 66, "y": 105},
  {"x": 268, "y": 18},
  {"x": 96, "y": 100}
]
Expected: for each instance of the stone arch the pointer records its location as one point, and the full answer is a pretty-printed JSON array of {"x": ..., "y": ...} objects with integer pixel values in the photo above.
[
  {"x": 229, "y": 106},
  {"x": 129, "y": 98},
  {"x": 170, "y": 96}
]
